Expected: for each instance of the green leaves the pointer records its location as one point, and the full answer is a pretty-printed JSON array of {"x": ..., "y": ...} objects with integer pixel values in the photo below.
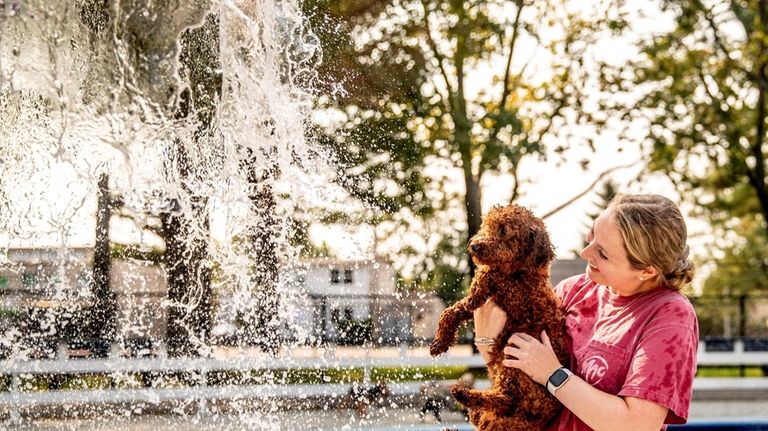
[
  {"x": 436, "y": 95},
  {"x": 700, "y": 94}
]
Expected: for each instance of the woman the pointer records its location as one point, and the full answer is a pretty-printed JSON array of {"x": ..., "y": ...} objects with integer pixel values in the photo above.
[{"x": 634, "y": 335}]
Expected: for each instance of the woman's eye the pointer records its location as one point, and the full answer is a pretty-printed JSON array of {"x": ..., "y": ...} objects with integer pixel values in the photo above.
[{"x": 602, "y": 255}]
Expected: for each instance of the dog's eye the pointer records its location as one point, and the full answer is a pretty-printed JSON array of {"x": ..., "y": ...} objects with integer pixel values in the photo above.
[{"x": 503, "y": 230}]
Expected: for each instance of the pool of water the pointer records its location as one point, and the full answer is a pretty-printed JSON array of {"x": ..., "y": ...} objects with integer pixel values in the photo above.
[{"x": 739, "y": 415}]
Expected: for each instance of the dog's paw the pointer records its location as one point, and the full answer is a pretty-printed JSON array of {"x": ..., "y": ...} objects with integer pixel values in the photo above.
[
  {"x": 461, "y": 393},
  {"x": 437, "y": 348}
]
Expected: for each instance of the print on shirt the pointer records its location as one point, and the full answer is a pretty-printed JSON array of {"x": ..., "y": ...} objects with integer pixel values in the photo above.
[
  {"x": 595, "y": 367},
  {"x": 601, "y": 365}
]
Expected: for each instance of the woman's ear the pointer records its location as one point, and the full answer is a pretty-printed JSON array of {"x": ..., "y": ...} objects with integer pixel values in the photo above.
[{"x": 648, "y": 273}]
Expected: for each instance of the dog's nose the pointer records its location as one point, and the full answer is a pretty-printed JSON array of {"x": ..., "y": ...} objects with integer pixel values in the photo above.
[{"x": 474, "y": 248}]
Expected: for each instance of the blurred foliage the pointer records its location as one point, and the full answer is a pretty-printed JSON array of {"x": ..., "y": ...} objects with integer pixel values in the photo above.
[
  {"x": 702, "y": 104},
  {"x": 417, "y": 373},
  {"x": 93, "y": 381},
  {"x": 407, "y": 117},
  {"x": 136, "y": 252},
  {"x": 743, "y": 266},
  {"x": 299, "y": 238},
  {"x": 604, "y": 196},
  {"x": 242, "y": 377}
]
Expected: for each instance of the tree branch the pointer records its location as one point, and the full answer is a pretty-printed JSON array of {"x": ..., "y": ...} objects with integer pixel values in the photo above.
[
  {"x": 709, "y": 17},
  {"x": 438, "y": 56},
  {"x": 515, "y": 32},
  {"x": 588, "y": 189}
]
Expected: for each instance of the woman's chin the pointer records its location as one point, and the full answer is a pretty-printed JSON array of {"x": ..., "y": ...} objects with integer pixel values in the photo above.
[{"x": 593, "y": 274}]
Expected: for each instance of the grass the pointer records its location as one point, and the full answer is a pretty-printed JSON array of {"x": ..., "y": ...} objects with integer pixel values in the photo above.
[
  {"x": 729, "y": 372},
  {"x": 30, "y": 383}
]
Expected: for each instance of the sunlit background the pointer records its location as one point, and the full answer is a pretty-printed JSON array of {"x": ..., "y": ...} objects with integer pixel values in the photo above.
[{"x": 252, "y": 212}]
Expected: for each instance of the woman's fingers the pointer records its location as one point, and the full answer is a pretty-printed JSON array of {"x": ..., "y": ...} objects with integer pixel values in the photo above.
[
  {"x": 511, "y": 363},
  {"x": 519, "y": 338},
  {"x": 513, "y": 351}
]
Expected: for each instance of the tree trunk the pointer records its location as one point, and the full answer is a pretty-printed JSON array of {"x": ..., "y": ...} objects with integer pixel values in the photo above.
[
  {"x": 190, "y": 315},
  {"x": 472, "y": 196},
  {"x": 759, "y": 182},
  {"x": 104, "y": 311},
  {"x": 189, "y": 283},
  {"x": 177, "y": 334},
  {"x": 262, "y": 325}
]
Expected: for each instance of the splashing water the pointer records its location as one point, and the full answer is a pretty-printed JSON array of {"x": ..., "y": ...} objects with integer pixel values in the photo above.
[
  {"x": 195, "y": 112},
  {"x": 184, "y": 124}
]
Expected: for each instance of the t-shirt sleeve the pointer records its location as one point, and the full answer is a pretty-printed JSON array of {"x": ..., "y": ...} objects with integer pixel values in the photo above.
[
  {"x": 567, "y": 289},
  {"x": 664, "y": 363}
]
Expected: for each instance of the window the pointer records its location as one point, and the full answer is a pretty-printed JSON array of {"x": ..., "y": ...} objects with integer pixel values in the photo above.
[
  {"x": 347, "y": 276},
  {"x": 334, "y": 276},
  {"x": 29, "y": 279}
]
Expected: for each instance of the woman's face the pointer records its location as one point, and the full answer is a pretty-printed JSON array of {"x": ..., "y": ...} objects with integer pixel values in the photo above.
[{"x": 607, "y": 262}]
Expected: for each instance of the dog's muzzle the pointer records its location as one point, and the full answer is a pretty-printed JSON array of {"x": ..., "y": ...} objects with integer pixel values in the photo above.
[{"x": 476, "y": 249}]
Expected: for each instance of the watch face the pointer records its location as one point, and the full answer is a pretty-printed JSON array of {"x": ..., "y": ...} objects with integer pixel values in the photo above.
[{"x": 558, "y": 377}]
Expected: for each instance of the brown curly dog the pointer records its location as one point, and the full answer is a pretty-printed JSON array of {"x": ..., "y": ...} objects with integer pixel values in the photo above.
[{"x": 512, "y": 252}]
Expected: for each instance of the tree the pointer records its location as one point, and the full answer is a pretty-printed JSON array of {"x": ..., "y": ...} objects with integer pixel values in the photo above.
[
  {"x": 410, "y": 120},
  {"x": 702, "y": 99},
  {"x": 104, "y": 309},
  {"x": 145, "y": 38}
]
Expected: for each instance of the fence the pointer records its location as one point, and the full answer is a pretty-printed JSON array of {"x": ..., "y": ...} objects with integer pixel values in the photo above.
[
  {"x": 732, "y": 316},
  {"x": 379, "y": 320},
  {"x": 737, "y": 324}
]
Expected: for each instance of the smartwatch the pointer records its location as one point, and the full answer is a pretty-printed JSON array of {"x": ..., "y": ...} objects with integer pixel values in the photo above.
[{"x": 558, "y": 379}]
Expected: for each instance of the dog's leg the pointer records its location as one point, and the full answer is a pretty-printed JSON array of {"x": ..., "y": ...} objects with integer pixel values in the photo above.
[
  {"x": 475, "y": 416},
  {"x": 449, "y": 323},
  {"x": 457, "y": 314},
  {"x": 477, "y": 399},
  {"x": 494, "y": 422},
  {"x": 539, "y": 406}
]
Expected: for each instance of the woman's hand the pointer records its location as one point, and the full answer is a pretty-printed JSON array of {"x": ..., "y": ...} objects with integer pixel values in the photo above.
[
  {"x": 489, "y": 320},
  {"x": 531, "y": 356}
]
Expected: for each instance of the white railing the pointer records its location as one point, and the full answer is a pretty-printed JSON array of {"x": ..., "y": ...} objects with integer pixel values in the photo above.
[
  {"x": 737, "y": 357},
  {"x": 15, "y": 399}
]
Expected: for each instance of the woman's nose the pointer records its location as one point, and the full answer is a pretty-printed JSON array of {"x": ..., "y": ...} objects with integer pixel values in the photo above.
[{"x": 584, "y": 254}]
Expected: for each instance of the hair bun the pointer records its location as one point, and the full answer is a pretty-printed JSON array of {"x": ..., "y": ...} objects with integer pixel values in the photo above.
[{"x": 682, "y": 272}]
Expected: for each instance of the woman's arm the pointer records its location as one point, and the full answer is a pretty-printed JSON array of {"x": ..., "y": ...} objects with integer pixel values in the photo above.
[
  {"x": 603, "y": 411},
  {"x": 598, "y": 409},
  {"x": 489, "y": 321}
]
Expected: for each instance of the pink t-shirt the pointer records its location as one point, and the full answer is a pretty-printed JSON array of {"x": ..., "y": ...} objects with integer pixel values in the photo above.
[{"x": 640, "y": 346}]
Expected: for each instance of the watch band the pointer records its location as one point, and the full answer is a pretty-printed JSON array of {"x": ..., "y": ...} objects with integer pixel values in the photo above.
[{"x": 558, "y": 379}]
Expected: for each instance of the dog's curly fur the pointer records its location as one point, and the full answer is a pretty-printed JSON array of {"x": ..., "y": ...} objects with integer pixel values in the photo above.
[{"x": 512, "y": 252}]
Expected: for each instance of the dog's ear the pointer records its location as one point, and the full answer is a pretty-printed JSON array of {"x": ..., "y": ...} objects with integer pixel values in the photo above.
[{"x": 542, "y": 251}]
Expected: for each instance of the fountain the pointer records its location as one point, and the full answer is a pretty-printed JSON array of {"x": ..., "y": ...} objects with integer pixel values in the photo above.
[
  {"x": 186, "y": 118},
  {"x": 181, "y": 127},
  {"x": 191, "y": 114}
]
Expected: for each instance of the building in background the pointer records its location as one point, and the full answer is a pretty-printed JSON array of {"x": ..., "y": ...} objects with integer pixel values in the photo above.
[
  {"x": 327, "y": 300},
  {"x": 46, "y": 294},
  {"x": 354, "y": 301}
]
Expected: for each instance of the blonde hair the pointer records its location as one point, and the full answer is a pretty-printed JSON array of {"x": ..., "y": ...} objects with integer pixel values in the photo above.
[{"x": 655, "y": 235}]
